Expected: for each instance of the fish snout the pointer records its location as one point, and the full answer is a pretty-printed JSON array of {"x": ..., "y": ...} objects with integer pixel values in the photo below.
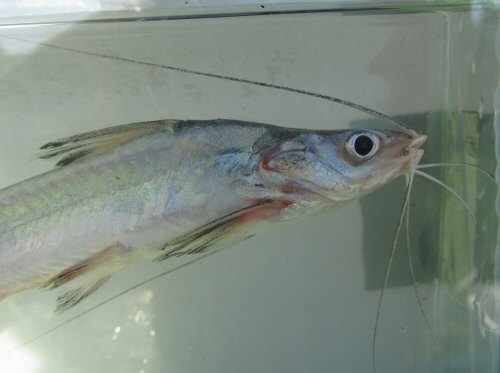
[{"x": 418, "y": 140}]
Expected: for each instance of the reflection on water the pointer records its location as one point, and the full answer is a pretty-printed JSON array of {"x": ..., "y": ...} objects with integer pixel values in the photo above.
[
  {"x": 303, "y": 298},
  {"x": 21, "y": 360}
]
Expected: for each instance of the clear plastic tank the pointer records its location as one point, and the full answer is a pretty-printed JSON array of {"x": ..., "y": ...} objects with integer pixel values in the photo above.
[{"x": 303, "y": 298}]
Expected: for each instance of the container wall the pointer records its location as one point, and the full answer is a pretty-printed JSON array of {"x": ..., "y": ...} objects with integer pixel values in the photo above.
[{"x": 303, "y": 298}]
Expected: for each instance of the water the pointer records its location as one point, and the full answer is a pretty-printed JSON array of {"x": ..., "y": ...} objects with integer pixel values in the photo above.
[{"x": 302, "y": 299}]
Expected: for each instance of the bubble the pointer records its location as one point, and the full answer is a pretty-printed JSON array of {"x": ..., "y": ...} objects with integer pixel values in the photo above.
[
  {"x": 480, "y": 110},
  {"x": 484, "y": 303},
  {"x": 147, "y": 296},
  {"x": 139, "y": 316}
]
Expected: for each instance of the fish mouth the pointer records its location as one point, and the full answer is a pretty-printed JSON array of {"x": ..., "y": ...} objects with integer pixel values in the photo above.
[
  {"x": 410, "y": 146},
  {"x": 414, "y": 148},
  {"x": 414, "y": 153}
]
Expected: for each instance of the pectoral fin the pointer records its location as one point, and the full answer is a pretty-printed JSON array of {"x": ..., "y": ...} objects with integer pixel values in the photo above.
[{"x": 199, "y": 240}]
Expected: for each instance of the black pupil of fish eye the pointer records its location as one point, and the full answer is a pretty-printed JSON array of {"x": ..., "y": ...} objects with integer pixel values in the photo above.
[{"x": 363, "y": 145}]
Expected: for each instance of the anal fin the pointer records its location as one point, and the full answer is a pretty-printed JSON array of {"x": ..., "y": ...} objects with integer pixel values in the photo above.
[
  {"x": 74, "y": 296},
  {"x": 85, "y": 277}
]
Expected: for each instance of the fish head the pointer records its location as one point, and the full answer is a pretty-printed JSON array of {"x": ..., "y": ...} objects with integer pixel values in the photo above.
[{"x": 338, "y": 165}]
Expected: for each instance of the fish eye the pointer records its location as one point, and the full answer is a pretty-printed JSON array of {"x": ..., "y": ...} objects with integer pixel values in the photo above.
[{"x": 363, "y": 145}]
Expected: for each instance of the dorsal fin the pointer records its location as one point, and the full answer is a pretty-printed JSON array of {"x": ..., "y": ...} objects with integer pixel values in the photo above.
[{"x": 78, "y": 147}]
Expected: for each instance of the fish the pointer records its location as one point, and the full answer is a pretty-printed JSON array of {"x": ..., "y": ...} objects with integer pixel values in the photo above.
[{"x": 169, "y": 188}]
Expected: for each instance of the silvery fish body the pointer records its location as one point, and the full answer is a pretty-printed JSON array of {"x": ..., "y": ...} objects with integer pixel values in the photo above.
[{"x": 170, "y": 188}]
